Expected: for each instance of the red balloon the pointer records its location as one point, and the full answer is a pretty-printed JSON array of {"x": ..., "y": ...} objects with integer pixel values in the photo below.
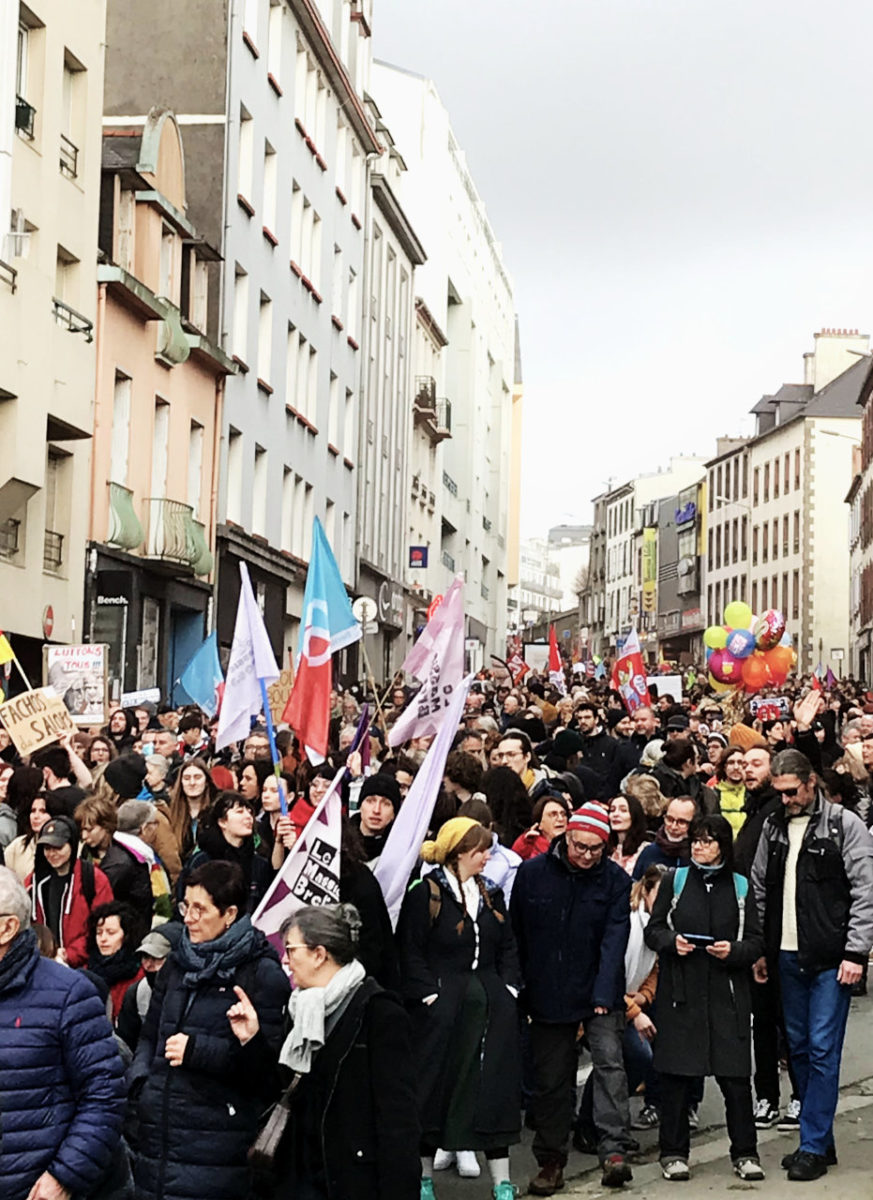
[
  {"x": 724, "y": 667},
  {"x": 755, "y": 673},
  {"x": 769, "y": 629}
]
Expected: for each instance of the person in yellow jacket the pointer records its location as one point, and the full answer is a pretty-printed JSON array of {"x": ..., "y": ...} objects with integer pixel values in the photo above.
[{"x": 731, "y": 787}]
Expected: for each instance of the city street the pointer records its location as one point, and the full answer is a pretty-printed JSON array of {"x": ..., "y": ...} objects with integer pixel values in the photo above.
[{"x": 711, "y": 1172}]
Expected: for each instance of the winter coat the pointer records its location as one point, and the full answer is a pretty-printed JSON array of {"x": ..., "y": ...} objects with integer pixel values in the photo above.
[
  {"x": 653, "y": 855},
  {"x": 129, "y": 878},
  {"x": 530, "y": 845},
  {"x": 703, "y": 1006},
  {"x": 834, "y": 886},
  {"x": 572, "y": 927},
  {"x": 75, "y": 911},
  {"x": 376, "y": 948},
  {"x": 760, "y": 803},
  {"x": 600, "y": 753},
  {"x": 436, "y": 959},
  {"x": 213, "y": 846},
  {"x": 354, "y": 1124},
  {"x": 731, "y": 803},
  {"x": 197, "y": 1121},
  {"x": 61, "y": 1084}
]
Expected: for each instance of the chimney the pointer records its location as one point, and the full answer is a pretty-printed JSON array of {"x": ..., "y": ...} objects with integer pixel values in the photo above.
[{"x": 835, "y": 351}]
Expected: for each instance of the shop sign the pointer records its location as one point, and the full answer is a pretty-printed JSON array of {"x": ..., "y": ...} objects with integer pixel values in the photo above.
[
  {"x": 418, "y": 556},
  {"x": 692, "y": 618},
  {"x": 686, "y": 514}
]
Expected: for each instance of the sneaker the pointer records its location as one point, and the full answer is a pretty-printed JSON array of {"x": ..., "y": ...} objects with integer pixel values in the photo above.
[
  {"x": 427, "y": 1192},
  {"x": 807, "y": 1167},
  {"x": 748, "y": 1168},
  {"x": 693, "y": 1117},
  {"x": 647, "y": 1118},
  {"x": 468, "y": 1164},
  {"x": 443, "y": 1159},
  {"x": 504, "y": 1191},
  {"x": 766, "y": 1115},
  {"x": 790, "y": 1120},
  {"x": 548, "y": 1180},
  {"x": 675, "y": 1168},
  {"x": 830, "y": 1157},
  {"x": 616, "y": 1172}
]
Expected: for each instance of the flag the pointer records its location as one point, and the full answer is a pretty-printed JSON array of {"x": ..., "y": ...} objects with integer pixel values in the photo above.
[
  {"x": 328, "y": 625},
  {"x": 629, "y": 675},
  {"x": 556, "y": 668},
  {"x": 437, "y": 659},
  {"x": 401, "y": 850},
  {"x": 518, "y": 668},
  {"x": 599, "y": 668},
  {"x": 830, "y": 679},
  {"x": 311, "y": 872},
  {"x": 202, "y": 677},
  {"x": 816, "y": 683},
  {"x": 6, "y": 652},
  {"x": 251, "y": 660}
]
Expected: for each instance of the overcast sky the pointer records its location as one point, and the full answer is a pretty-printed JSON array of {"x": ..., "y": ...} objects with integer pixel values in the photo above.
[{"x": 684, "y": 194}]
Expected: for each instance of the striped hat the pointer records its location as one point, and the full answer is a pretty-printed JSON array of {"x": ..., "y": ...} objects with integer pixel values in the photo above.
[{"x": 591, "y": 818}]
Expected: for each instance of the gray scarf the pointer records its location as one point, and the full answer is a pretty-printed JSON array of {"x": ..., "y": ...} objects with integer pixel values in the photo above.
[{"x": 311, "y": 1010}]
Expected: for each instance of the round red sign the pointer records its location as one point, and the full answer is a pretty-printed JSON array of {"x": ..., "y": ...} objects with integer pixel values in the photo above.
[{"x": 48, "y": 621}]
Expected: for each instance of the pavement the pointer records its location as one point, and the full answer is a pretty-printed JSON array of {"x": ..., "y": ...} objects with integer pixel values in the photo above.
[{"x": 711, "y": 1172}]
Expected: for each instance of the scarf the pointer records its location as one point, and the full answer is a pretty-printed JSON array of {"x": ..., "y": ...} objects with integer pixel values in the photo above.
[
  {"x": 14, "y": 962},
  {"x": 680, "y": 849},
  {"x": 202, "y": 962},
  {"x": 311, "y": 1010},
  {"x": 112, "y": 968},
  {"x": 638, "y": 958}
]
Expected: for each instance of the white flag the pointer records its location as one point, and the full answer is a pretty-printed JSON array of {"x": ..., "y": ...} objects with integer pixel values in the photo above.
[
  {"x": 251, "y": 660},
  {"x": 403, "y": 845},
  {"x": 311, "y": 872},
  {"x": 437, "y": 659}
]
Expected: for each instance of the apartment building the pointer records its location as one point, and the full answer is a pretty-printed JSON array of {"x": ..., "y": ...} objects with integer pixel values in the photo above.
[
  {"x": 466, "y": 290},
  {"x": 275, "y": 125},
  {"x": 51, "y": 91},
  {"x": 157, "y": 415}
]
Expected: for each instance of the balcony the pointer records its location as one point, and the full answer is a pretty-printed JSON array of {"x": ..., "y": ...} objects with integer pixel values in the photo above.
[
  {"x": 125, "y": 529},
  {"x": 53, "y": 551},
  {"x": 434, "y": 415},
  {"x": 69, "y": 319},
  {"x": 425, "y": 394},
  {"x": 25, "y": 116},
  {"x": 8, "y": 275},
  {"x": 69, "y": 158},
  {"x": 9, "y": 538},
  {"x": 173, "y": 536}
]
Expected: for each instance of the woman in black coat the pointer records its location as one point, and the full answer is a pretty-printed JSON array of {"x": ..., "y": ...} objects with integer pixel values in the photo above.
[
  {"x": 460, "y": 972},
  {"x": 199, "y": 1106},
  {"x": 227, "y": 832},
  {"x": 705, "y": 930},
  {"x": 353, "y": 1131}
]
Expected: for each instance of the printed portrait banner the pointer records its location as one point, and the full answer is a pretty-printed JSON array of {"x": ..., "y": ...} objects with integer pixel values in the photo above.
[
  {"x": 78, "y": 674},
  {"x": 35, "y": 719}
]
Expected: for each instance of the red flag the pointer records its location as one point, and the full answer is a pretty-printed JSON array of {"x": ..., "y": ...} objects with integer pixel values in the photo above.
[
  {"x": 556, "y": 667},
  {"x": 629, "y": 674}
]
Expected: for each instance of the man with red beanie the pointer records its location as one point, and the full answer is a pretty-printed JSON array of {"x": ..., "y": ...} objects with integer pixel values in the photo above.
[{"x": 571, "y": 915}]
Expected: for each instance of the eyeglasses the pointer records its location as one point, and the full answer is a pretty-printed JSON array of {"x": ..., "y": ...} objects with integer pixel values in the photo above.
[
  {"x": 587, "y": 851},
  {"x": 677, "y": 821},
  {"x": 789, "y": 792},
  {"x": 703, "y": 841},
  {"x": 497, "y": 755},
  {"x": 194, "y": 911},
  {"x": 296, "y": 946}
]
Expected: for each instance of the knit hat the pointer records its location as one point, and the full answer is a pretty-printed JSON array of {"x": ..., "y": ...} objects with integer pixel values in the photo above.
[
  {"x": 126, "y": 775},
  {"x": 448, "y": 837},
  {"x": 746, "y": 738},
  {"x": 591, "y": 818},
  {"x": 677, "y": 724},
  {"x": 653, "y": 752},
  {"x": 567, "y": 742},
  {"x": 382, "y": 785},
  {"x": 614, "y": 716}
]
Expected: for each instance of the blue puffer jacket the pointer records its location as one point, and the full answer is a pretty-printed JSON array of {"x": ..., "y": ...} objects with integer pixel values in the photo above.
[
  {"x": 572, "y": 928},
  {"x": 61, "y": 1083},
  {"x": 197, "y": 1121}
]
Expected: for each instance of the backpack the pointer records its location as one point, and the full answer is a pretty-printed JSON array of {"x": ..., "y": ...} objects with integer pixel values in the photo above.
[
  {"x": 89, "y": 886},
  {"x": 741, "y": 887}
]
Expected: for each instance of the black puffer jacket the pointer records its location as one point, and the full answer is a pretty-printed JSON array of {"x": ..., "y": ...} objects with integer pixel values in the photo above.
[{"x": 197, "y": 1121}]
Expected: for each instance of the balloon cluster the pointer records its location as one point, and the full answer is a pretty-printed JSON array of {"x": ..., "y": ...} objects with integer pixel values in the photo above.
[{"x": 748, "y": 652}]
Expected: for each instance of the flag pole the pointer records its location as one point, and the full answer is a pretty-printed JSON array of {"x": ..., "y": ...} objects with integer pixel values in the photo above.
[
  {"x": 27, "y": 682},
  {"x": 370, "y": 676},
  {"x": 274, "y": 752}
]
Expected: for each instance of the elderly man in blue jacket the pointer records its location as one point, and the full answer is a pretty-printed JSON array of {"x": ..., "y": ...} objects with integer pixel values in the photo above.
[
  {"x": 571, "y": 916},
  {"x": 61, "y": 1082}
]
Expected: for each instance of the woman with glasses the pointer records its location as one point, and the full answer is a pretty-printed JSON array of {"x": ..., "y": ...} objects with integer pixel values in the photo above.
[
  {"x": 199, "y": 1102},
  {"x": 705, "y": 930},
  {"x": 550, "y": 815}
]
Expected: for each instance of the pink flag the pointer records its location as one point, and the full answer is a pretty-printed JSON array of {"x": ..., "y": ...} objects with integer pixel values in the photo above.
[{"x": 437, "y": 659}]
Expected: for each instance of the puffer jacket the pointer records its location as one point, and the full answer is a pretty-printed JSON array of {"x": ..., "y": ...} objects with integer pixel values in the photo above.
[
  {"x": 61, "y": 1083},
  {"x": 197, "y": 1121}
]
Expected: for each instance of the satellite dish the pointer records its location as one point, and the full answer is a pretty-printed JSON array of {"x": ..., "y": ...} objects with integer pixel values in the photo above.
[{"x": 365, "y": 609}]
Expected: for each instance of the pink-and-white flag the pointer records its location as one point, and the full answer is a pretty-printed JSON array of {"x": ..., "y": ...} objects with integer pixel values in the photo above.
[
  {"x": 402, "y": 848},
  {"x": 556, "y": 667},
  {"x": 311, "y": 872},
  {"x": 437, "y": 659}
]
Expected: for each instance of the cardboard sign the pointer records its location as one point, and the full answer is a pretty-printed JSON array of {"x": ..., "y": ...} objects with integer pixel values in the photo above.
[
  {"x": 78, "y": 675},
  {"x": 36, "y": 719},
  {"x": 279, "y": 693}
]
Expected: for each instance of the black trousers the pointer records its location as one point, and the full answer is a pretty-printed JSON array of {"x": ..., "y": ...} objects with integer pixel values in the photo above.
[
  {"x": 674, "y": 1134},
  {"x": 768, "y": 1034}
]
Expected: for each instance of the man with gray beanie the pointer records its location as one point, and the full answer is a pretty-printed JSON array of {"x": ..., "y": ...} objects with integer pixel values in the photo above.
[{"x": 61, "y": 1082}]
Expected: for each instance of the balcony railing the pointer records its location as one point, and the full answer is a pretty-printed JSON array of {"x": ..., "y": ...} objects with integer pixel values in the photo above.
[
  {"x": 52, "y": 551},
  {"x": 125, "y": 529},
  {"x": 8, "y": 275},
  {"x": 425, "y": 393},
  {"x": 69, "y": 158},
  {"x": 72, "y": 320},
  {"x": 435, "y": 415},
  {"x": 9, "y": 531},
  {"x": 172, "y": 535},
  {"x": 25, "y": 115}
]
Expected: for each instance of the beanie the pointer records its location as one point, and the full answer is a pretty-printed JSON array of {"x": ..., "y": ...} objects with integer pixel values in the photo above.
[
  {"x": 591, "y": 818},
  {"x": 126, "y": 775},
  {"x": 448, "y": 837},
  {"x": 614, "y": 716},
  {"x": 567, "y": 742},
  {"x": 746, "y": 738},
  {"x": 382, "y": 785}
]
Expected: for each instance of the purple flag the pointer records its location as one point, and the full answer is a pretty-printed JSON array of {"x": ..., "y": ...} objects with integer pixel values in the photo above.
[
  {"x": 437, "y": 659},
  {"x": 402, "y": 848}
]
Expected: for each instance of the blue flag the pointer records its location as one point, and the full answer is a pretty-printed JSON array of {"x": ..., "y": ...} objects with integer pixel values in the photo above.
[{"x": 202, "y": 677}]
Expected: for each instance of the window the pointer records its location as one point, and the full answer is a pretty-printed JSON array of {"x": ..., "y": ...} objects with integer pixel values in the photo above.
[
  {"x": 308, "y": 515},
  {"x": 766, "y": 482},
  {"x": 349, "y": 426},
  {"x": 755, "y": 486},
  {"x": 297, "y": 224},
  {"x": 745, "y": 546},
  {"x": 195, "y": 467},
  {"x": 119, "y": 455},
  {"x": 765, "y": 542},
  {"x": 718, "y": 546},
  {"x": 333, "y": 411},
  {"x": 797, "y": 531},
  {"x": 160, "y": 443},
  {"x": 775, "y": 539},
  {"x": 764, "y": 603},
  {"x": 719, "y": 487},
  {"x": 775, "y": 594},
  {"x": 287, "y": 523},
  {"x": 336, "y": 283},
  {"x": 234, "y": 476},
  {"x": 259, "y": 493},
  {"x": 166, "y": 283},
  {"x": 72, "y": 115},
  {"x": 301, "y": 379},
  {"x": 745, "y": 476},
  {"x": 775, "y": 478},
  {"x": 240, "y": 314},
  {"x": 710, "y": 612},
  {"x": 796, "y": 469},
  {"x": 351, "y": 322},
  {"x": 754, "y": 546},
  {"x": 274, "y": 40},
  {"x": 787, "y": 481},
  {"x": 125, "y": 226},
  {"x": 736, "y": 548},
  {"x": 270, "y": 183},
  {"x": 21, "y": 61},
  {"x": 67, "y": 278},
  {"x": 342, "y": 154},
  {"x": 785, "y": 534},
  {"x": 312, "y": 386},
  {"x": 754, "y": 595},
  {"x": 736, "y": 479},
  {"x": 718, "y": 604},
  {"x": 709, "y": 557},
  {"x": 711, "y": 488},
  {"x": 265, "y": 339},
  {"x": 330, "y": 521},
  {"x": 245, "y": 166},
  {"x": 784, "y": 593},
  {"x": 795, "y": 595},
  {"x": 250, "y": 19}
]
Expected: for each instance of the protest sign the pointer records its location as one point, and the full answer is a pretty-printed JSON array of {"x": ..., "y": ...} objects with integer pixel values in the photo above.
[
  {"x": 35, "y": 719},
  {"x": 78, "y": 675}
]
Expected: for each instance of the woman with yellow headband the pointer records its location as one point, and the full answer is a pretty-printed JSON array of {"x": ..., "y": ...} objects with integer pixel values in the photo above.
[{"x": 461, "y": 976}]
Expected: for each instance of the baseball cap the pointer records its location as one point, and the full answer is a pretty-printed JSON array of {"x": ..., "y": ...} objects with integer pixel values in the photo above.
[
  {"x": 154, "y": 944},
  {"x": 56, "y": 833}
]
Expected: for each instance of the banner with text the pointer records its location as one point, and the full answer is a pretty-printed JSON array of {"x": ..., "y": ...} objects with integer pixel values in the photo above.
[{"x": 36, "y": 719}]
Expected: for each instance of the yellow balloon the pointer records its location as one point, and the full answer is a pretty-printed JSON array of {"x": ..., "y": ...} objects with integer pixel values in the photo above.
[{"x": 738, "y": 615}]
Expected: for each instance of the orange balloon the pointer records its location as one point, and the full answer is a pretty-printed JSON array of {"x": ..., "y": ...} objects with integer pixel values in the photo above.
[{"x": 755, "y": 673}]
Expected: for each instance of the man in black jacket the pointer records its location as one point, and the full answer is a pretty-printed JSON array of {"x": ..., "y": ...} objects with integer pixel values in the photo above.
[
  {"x": 630, "y": 751},
  {"x": 812, "y": 882},
  {"x": 599, "y": 749}
]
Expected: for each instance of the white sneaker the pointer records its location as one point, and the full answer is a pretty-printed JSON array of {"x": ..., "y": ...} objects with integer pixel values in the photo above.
[
  {"x": 791, "y": 1118},
  {"x": 675, "y": 1168},
  {"x": 748, "y": 1168},
  {"x": 443, "y": 1159},
  {"x": 468, "y": 1164}
]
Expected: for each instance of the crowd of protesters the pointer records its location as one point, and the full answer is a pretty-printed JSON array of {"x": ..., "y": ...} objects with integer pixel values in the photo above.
[{"x": 671, "y": 894}]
